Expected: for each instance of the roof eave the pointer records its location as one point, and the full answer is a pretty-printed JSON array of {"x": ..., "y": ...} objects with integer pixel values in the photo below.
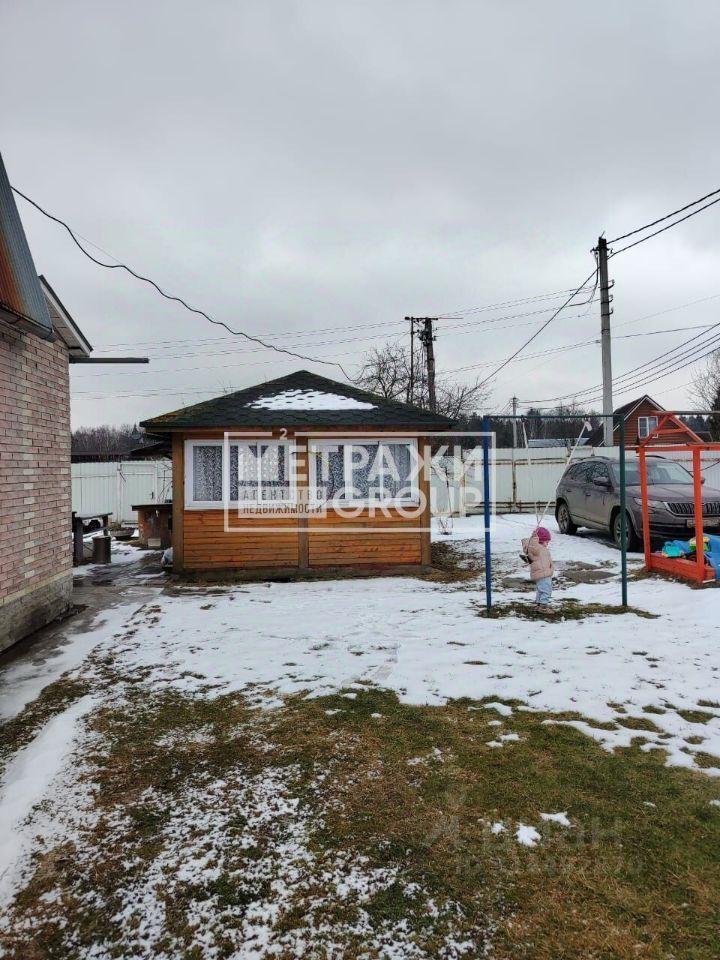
[{"x": 69, "y": 332}]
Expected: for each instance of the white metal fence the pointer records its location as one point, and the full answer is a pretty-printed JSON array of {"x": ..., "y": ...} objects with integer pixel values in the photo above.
[
  {"x": 115, "y": 486},
  {"x": 518, "y": 483}
]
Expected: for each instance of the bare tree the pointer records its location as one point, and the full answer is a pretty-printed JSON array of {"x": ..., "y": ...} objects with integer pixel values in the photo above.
[
  {"x": 386, "y": 371},
  {"x": 705, "y": 383}
]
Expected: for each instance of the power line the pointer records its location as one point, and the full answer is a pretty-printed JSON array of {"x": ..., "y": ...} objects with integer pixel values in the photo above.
[
  {"x": 669, "y": 226},
  {"x": 653, "y": 371},
  {"x": 637, "y": 369},
  {"x": 584, "y": 343},
  {"x": 456, "y": 331},
  {"x": 658, "y": 313},
  {"x": 464, "y": 311},
  {"x": 667, "y": 216},
  {"x": 304, "y": 333},
  {"x": 541, "y": 328},
  {"x": 168, "y": 296},
  {"x": 659, "y": 376}
]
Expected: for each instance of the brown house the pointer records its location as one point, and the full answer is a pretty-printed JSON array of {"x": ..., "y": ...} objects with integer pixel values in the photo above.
[
  {"x": 37, "y": 339},
  {"x": 301, "y": 472},
  {"x": 641, "y": 417}
]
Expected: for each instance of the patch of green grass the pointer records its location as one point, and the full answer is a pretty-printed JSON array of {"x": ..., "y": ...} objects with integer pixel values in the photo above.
[
  {"x": 696, "y": 716},
  {"x": 450, "y": 562},
  {"x": 566, "y": 609},
  {"x": 638, "y": 723},
  {"x": 53, "y": 700},
  {"x": 410, "y": 797}
]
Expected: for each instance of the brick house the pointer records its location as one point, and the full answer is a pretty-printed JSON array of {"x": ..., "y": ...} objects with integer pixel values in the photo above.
[
  {"x": 37, "y": 339},
  {"x": 641, "y": 416}
]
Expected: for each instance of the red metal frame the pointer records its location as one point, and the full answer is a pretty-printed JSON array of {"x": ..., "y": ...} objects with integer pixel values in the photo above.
[{"x": 696, "y": 569}]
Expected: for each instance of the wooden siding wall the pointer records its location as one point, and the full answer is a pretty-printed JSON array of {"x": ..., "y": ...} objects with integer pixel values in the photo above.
[
  {"x": 209, "y": 546},
  {"x": 365, "y": 540},
  {"x": 200, "y": 541},
  {"x": 645, "y": 409}
]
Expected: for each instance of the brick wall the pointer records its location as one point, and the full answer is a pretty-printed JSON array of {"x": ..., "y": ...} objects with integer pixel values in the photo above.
[{"x": 35, "y": 506}]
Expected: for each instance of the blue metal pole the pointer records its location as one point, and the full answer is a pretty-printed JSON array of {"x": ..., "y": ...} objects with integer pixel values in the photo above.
[{"x": 486, "y": 511}]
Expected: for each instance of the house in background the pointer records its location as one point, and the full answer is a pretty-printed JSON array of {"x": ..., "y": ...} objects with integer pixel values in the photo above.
[
  {"x": 37, "y": 339},
  {"x": 641, "y": 417},
  {"x": 300, "y": 456}
]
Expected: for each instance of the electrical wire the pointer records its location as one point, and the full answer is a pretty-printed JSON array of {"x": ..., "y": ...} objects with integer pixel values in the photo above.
[
  {"x": 651, "y": 376},
  {"x": 669, "y": 226},
  {"x": 168, "y": 296},
  {"x": 667, "y": 216},
  {"x": 634, "y": 370},
  {"x": 303, "y": 333},
  {"x": 464, "y": 311},
  {"x": 542, "y": 327}
]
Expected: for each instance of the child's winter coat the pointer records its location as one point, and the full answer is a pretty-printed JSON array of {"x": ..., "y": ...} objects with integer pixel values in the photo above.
[{"x": 541, "y": 564}]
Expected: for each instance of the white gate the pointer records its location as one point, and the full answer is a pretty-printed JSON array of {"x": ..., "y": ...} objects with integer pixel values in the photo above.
[{"x": 116, "y": 485}]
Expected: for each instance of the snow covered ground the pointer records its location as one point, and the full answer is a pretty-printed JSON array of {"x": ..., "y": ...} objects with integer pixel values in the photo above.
[
  {"x": 426, "y": 641},
  {"x": 423, "y": 639}
]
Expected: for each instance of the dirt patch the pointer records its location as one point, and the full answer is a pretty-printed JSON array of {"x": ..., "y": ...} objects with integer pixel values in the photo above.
[
  {"x": 566, "y": 609},
  {"x": 578, "y": 572}
]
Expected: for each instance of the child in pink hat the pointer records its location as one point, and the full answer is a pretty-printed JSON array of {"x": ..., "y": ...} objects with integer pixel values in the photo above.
[{"x": 541, "y": 565}]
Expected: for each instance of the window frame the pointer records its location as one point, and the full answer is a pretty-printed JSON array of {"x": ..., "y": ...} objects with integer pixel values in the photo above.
[
  {"x": 225, "y": 502},
  {"x": 315, "y": 445},
  {"x": 648, "y": 428}
]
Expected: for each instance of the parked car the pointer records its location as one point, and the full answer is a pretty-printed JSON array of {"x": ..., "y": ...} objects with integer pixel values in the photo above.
[{"x": 588, "y": 495}]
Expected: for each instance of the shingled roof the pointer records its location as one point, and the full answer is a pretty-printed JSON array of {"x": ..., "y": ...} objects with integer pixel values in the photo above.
[{"x": 301, "y": 399}]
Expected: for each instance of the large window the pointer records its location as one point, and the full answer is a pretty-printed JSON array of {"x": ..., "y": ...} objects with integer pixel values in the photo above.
[
  {"x": 367, "y": 471},
  {"x": 254, "y": 472},
  {"x": 352, "y": 472},
  {"x": 646, "y": 425}
]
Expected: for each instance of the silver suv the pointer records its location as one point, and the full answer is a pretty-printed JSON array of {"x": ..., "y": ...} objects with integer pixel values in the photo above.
[{"x": 588, "y": 495}]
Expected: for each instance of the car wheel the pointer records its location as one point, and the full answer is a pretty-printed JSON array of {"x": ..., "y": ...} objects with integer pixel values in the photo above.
[
  {"x": 633, "y": 541},
  {"x": 565, "y": 521}
]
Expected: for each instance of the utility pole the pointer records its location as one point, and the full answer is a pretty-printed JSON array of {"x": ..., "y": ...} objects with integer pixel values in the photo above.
[
  {"x": 605, "y": 311},
  {"x": 514, "y": 402},
  {"x": 426, "y": 337},
  {"x": 411, "y": 383}
]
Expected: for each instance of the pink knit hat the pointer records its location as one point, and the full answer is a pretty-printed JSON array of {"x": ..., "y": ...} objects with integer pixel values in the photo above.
[{"x": 543, "y": 535}]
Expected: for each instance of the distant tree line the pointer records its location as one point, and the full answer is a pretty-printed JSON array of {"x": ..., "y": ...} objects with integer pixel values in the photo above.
[{"x": 107, "y": 439}]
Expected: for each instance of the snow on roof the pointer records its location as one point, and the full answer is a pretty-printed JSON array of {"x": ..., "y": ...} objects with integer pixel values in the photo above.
[{"x": 309, "y": 400}]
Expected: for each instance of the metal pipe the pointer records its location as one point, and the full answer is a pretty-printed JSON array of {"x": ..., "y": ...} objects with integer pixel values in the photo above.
[
  {"x": 623, "y": 517},
  {"x": 486, "y": 511}
]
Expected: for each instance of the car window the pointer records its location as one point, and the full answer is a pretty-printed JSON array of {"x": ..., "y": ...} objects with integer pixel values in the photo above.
[
  {"x": 572, "y": 471},
  {"x": 582, "y": 471},
  {"x": 658, "y": 471},
  {"x": 598, "y": 470}
]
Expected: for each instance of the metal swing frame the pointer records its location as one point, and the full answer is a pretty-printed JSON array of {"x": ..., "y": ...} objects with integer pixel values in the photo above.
[{"x": 664, "y": 440}]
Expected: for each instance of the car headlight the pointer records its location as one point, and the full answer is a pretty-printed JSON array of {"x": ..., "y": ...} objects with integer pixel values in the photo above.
[{"x": 658, "y": 506}]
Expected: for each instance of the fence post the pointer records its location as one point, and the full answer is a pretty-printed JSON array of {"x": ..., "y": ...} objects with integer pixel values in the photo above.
[
  {"x": 623, "y": 516},
  {"x": 486, "y": 511}
]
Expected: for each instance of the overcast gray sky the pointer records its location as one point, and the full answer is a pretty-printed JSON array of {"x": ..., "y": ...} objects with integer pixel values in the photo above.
[{"x": 325, "y": 165}]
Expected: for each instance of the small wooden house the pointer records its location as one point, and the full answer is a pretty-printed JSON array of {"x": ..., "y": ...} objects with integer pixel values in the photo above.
[
  {"x": 641, "y": 417},
  {"x": 299, "y": 473}
]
